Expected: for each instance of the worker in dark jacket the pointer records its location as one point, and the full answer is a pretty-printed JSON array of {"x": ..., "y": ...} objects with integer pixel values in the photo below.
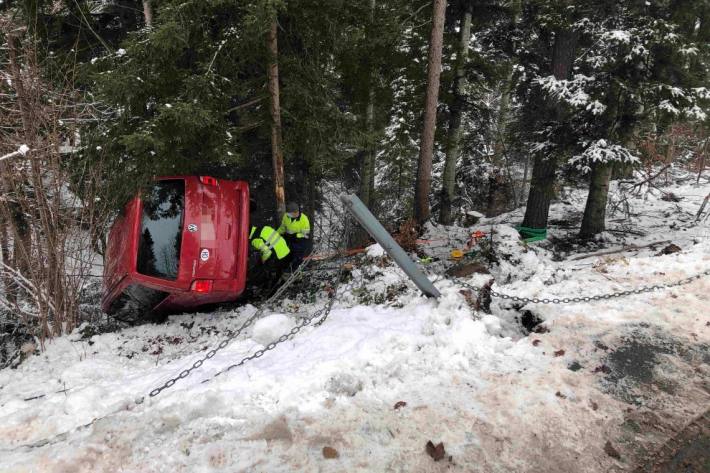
[{"x": 296, "y": 229}]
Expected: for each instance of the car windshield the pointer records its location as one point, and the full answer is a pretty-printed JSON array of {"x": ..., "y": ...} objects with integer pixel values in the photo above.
[{"x": 161, "y": 230}]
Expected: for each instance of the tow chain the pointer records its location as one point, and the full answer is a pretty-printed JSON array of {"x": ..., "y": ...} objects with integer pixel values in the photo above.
[
  {"x": 598, "y": 297},
  {"x": 323, "y": 312},
  {"x": 210, "y": 354}
]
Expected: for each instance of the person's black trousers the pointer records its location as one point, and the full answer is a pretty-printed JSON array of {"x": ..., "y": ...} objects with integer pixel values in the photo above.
[{"x": 300, "y": 248}]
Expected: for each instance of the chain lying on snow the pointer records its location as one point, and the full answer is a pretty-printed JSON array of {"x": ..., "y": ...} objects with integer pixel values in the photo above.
[
  {"x": 59, "y": 437},
  {"x": 186, "y": 372},
  {"x": 323, "y": 313},
  {"x": 598, "y": 297}
]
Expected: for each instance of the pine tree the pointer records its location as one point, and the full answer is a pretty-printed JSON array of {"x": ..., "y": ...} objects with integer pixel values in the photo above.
[
  {"x": 277, "y": 158},
  {"x": 544, "y": 116},
  {"x": 426, "y": 147},
  {"x": 453, "y": 144}
]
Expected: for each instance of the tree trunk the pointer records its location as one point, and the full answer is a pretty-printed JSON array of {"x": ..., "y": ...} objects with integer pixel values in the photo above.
[
  {"x": 276, "y": 138},
  {"x": 595, "y": 210},
  {"x": 358, "y": 235},
  {"x": 453, "y": 144},
  {"x": 541, "y": 192},
  {"x": 367, "y": 179},
  {"x": 5, "y": 223},
  {"x": 426, "y": 151},
  {"x": 500, "y": 154},
  {"x": 543, "y": 173},
  {"x": 526, "y": 169},
  {"x": 311, "y": 199},
  {"x": 148, "y": 12},
  {"x": 502, "y": 121}
]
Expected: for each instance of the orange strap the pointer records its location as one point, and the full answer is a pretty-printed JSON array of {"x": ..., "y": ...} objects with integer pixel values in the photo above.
[{"x": 333, "y": 254}]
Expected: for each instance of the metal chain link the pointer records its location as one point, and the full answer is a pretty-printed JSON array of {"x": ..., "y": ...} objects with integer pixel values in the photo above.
[
  {"x": 572, "y": 300},
  {"x": 323, "y": 311},
  {"x": 210, "y": 354},
  {"x": 259, "y": 353}
]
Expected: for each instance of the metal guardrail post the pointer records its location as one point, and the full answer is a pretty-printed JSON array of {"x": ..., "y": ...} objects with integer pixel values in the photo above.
[{"x": 378, "y": 232}]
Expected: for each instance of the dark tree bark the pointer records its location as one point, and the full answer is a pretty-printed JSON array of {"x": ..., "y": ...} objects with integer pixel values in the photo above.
[
  {"x": 595, "y": 210},
  {"x": 426, "y": 150},
  {"x": 544, "y": 168},
  {"x": 593, "y": 221},
  {"x": 541, "y": 192},
  {"x": 453, "y": 144},
  {"x": 367, "y": 180},
  {"x": 276, "y": 137}
]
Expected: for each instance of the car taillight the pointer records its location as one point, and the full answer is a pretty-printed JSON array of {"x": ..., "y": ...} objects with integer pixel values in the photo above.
[
  {"x": 202, "y": 286},
  {"x": 208, "y": 180}
]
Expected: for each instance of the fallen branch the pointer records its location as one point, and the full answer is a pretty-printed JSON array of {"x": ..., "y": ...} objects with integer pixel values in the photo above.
[
  {"x": 649, "y": 179},
  {"x": 626, "y": 248}
]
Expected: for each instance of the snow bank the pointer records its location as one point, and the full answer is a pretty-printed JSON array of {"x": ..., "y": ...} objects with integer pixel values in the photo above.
[{"x": 376, "y": 382}]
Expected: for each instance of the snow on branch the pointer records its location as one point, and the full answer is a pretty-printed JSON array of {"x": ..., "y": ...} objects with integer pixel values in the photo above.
[
  {"x": 21, "y": 151},
  {"x": 571, "y": 92},
  {"x": 601, "y": 151},
  {"x": 618, "y": 36}
]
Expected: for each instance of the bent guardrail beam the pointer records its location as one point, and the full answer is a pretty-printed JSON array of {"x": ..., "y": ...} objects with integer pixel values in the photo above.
[{"x": 381, "y": 236}]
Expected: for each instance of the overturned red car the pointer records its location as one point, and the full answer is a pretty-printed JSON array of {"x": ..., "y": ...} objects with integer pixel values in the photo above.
[{"x": 180, "y": 245}]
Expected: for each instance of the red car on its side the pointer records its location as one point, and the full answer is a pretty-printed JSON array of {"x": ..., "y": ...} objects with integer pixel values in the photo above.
[{"x": 181, "y": 245}]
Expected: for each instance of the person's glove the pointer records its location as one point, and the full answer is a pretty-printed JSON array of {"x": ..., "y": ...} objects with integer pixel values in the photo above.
[{"x": 254, "y": 259}]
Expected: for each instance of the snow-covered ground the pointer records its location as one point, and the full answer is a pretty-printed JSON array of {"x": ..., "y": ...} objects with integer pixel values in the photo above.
[{"x": 596, "y": 386}]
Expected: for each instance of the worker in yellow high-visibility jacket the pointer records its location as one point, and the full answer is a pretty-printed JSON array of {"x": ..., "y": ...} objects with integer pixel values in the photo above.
[
  {"x": 296, "y": 229},
  {"x": 268, "y": 241},
  {"x": 271, "y": 256}
]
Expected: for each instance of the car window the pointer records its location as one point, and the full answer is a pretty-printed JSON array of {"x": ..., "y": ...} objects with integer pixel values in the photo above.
[{"x": 161, "y": 230}]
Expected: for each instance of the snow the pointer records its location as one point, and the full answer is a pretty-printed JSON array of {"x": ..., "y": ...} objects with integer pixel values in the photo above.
[
  {"x": 375, "y": 251},
  {"x": 668, "y": 107},
  {"x": 270, "y": 328},
  {"x": 621, "y": 36},
  {"x": 696, "y": 113},
  {"x": 498, "y": 398},
  {"x": 600, "y": 151},
  {"x": 570, "y": 91}
]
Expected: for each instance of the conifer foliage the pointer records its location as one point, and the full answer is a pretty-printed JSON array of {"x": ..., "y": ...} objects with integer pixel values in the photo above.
[{"x": 530, "y": 94}]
